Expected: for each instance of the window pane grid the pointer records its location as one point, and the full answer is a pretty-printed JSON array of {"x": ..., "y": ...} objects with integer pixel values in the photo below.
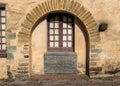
[
  {"x": 2, "y": 30},
  {"x": 61, "y": 31}
]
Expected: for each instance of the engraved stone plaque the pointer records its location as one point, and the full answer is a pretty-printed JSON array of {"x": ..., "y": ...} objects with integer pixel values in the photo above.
[{"x": 60, "y": 63}]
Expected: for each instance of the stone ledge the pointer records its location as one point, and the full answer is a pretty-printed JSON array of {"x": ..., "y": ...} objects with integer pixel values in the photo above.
[{"x": 61, "y": 53}]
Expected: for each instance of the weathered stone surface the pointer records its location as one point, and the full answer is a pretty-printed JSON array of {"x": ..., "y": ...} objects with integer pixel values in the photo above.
[
  {"x": 23, "y": 68},
  {"x": 11, "y": 35},
  {"x": 97, "y": 51},
  {"x": 27, "y": 12},
  {"x": 94, "y": 55},
  {"x": 11, "y": 49},
  {"x": 23, "y": 40},
  {"x": 94, "y": 58},
  {"x": 3, "y": 55},
  {"x": 3, "y": 68},
  {"x": 10, "y": 56},
  {"x": 23, "y": 64},
  {"x": 93, "y": 63},
  {"x": 25, "y": 52},
  {"x": 21, "y": 71},
  {"x": 22, "y": 76},
  {"x": 60, "y": 63}
]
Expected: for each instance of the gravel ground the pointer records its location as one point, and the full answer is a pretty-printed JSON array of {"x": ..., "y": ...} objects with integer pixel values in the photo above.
[{"x": 109, "y": 81}]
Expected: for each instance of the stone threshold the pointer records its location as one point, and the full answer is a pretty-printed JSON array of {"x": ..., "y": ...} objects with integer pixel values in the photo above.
[{"x": 59, "y": 76}]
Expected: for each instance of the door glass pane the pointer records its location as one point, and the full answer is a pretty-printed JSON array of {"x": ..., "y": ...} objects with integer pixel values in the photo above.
[
  {"x": 64, "y": 31},
  {"x": 56, "y": 31},
  {"x": 56, "y": 19},
  {"x": 56, "y": 44},
  {"x": 3, "y": 40},
  {"x": 69, "y": 20},
  {"x": 51, "y": 38},
  {"x": 51, "y": 31},
  {"x": 51, "y": 44},
  {"x": 69, "y": 31},
  {"x": 0, "y": 47},
  {"x": 64, "y": 18},
  {"x": 52, "y": 20},
  {"x": 69, "y": 44},
  {"x": 64, "y": 25},
  {"x": 69, "y": 25},
  {"x": 51, "y": 25},
  {"x": 3, "y": 46},
  {"x": 3, "y": 13},
  {"x": 64, "y": 44},
  {"x": 60, "y": 35},
  {"x": 70, "y": 38},
  {"x": 56, "y": 25},
  {"x": 56, "y": 38},
  {"x": 3, "y": 33},
  {"x": 3, "y": 19},
  {"x": 64, "y": 38},
  {"x": 0, "y": 35},
  {"x": 3, "y": 26}
]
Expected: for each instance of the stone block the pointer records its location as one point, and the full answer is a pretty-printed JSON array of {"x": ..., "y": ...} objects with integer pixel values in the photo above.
[
  {"x": 92, "y": 46},
  {"x": 10, "y": 56},
  {"x": 23, "y": 40},
  {"x": 96, "y": 69},
  {"x": 11, "y": 49},
  {"x": 23, "y": 64},
  {"x": 94, "y": 59},
  {"x": 11, "y": 35},
  {"x": 21, "y": 71},
  {"x": 26, "y": 56},
  {"x": 24, "y": 52},
  {"x": 60, "y": 63},
  {"x": 96, "y": 51},
  {"x": 25, "y": 60},
  {"x": 94, "y": 55},
  {"x": 19, "y": 75},
  {"x": 93, "y": 63},
  {"x": 23, "y": 68}
]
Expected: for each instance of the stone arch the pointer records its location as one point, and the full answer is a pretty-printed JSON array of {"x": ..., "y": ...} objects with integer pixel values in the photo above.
[
  {"x": 70, "y": 6},
  {"x": 48, "y": 6}
]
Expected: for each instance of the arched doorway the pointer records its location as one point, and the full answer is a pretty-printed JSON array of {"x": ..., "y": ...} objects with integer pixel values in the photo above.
[
  {"x": 61, "y": 41},
  {"x": 72, "y": 7}
]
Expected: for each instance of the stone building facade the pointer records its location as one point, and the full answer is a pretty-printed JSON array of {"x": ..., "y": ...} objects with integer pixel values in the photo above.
[{"x": 59, "y": 36}]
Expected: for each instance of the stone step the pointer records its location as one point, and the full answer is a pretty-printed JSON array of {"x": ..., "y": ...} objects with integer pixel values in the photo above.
[{"x": 59, "y": 76}]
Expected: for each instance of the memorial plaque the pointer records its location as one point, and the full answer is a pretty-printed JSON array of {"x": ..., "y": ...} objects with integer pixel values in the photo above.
[{"x": 60, "y": 63}]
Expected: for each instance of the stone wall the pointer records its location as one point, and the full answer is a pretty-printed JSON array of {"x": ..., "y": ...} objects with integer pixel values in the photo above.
[
  {"x": 3, "y": 68},
  {"x": 103, "y": 11}
]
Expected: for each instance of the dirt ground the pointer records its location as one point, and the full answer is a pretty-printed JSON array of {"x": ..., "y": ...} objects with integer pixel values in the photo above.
[{"x": 109, "y": 81}]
